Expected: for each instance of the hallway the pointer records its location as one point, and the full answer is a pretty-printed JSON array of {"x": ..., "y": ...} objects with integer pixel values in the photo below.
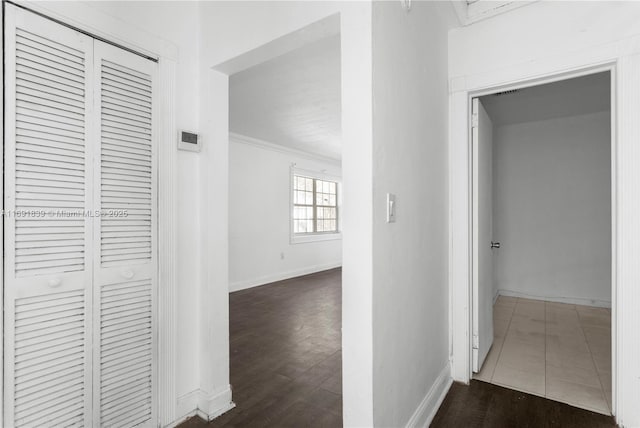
[{"x": 285, "y": 346}]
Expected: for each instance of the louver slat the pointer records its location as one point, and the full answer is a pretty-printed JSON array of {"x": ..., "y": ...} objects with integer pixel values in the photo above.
[
  {"x": 47, "y": 182},
  {"x": 126, "y": 355},
  {"x": 79, "y": 291},
  {"x": 124, "y": 242},
  {"x": 49, "y": 380},
  {"x": 50, "y": 135},
  {"x": 126, "y": 165}
]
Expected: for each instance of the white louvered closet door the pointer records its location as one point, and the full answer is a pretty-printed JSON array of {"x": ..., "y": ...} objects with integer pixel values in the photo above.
[
  {"x": 48, "y": 250},
  {"x": 124, "y": 240}
]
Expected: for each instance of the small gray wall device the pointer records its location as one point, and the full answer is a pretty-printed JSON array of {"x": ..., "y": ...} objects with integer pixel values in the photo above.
[{"x": 188, "y": 140}]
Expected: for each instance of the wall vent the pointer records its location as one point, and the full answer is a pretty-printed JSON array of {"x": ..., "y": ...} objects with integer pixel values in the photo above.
[{"x": 512, "y": 91}]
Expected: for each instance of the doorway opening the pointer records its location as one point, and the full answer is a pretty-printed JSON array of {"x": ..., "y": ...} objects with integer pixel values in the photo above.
[
  {"x": 285, "y": 230},
  {"x": 542, "y": 281}
]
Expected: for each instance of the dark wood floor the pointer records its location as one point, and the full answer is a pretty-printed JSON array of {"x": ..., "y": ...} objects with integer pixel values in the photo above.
[
  {"x": 286, "y": 368},
  {"x": 286, "y": 362},
  {"x": 482, "y": 404}
]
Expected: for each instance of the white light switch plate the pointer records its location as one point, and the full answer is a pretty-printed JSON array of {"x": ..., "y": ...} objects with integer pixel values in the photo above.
[{"x": 391, "y": 208}]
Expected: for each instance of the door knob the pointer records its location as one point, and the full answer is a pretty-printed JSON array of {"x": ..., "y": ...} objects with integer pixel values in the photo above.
[
  {"x": 495, "y": 244},
  {"x": 127, "y": 273}
]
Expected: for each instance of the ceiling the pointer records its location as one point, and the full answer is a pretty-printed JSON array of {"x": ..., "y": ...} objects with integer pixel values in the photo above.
[
  {"x": 581, "y": 95},
  {"x": 292, "y": 100}
]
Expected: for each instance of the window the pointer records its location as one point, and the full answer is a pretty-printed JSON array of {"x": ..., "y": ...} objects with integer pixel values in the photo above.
[{"x": 315, "y": 206}]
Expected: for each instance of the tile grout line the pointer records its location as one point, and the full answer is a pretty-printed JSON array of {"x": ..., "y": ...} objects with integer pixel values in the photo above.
[
  {"x": 593, "y": 360},
  {"x": 504, "y": 339}
]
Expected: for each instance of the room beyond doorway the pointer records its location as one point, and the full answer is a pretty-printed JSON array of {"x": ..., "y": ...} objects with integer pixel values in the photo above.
[
  {"x": 554, "y": 350},
  {"x": 542, "y": 240},
  {"x": 285, "y": 354}
]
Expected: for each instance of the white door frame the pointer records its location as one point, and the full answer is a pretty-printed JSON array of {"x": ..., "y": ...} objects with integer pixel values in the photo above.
[
  {"x": 622, "y": 59},
  {"x": 94, "y": 22}
]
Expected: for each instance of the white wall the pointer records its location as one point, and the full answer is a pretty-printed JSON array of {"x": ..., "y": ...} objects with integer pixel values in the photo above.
[
  {"x": 569, "y": 27},
  {"x": 552, "y": 209},
  {"x": 259, "y": 218},
  {"x": 410, "y": 288}
]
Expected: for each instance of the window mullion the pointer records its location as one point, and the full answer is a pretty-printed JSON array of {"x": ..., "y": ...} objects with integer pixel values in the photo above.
[
  {"x": 336, "y": 207},
  {"x": 315, "y": 208}
]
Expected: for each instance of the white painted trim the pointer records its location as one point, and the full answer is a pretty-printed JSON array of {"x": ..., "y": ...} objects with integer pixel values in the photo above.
[
  {"x": 318, "y": 236},
  {"x": 183, "y": 419},
  {"x": 568, "y": 300},
  {"x": 95, "y": 22},
  {"x": 625, "y": 226},
  {"x": 212, "y": 405},
  {"x": 495, "y": 296},
  {"x": 296, "y": 170},
  {"x": 430, "y": 404},
  {"x": 268, "y": 279},
  {"x": 187, "y": 406},
  {"x": 196, "y": 403},
  {"x": 262, "y": 144},
  {"x": 314, "y": 237},
  {"x": 485, "y": 9},
  {"x": 167, "y": 243},
  {"x": 2, "y": 61}
]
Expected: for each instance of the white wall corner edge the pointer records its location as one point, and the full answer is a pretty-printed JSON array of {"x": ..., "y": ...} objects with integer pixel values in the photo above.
[
  {"x": 568, "y": 300},
  {"x": 430, "y": 404},
  {"x": 208, "y": 406},
  {"x": 267, "y": 279}
]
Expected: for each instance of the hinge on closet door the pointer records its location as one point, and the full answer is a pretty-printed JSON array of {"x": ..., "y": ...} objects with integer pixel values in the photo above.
[{"x": 476, "y": 342}]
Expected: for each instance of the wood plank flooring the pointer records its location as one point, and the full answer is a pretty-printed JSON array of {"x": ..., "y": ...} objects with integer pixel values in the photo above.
[
  {"x": 485, "y": 405},
  {"x": 285, "y": 352},
  {"x": 286, "y": 368}
]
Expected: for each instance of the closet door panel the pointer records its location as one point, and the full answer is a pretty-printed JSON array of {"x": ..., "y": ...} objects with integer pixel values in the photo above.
[
  {"x": 48, "y": 251},
  {"x": 125, "y": 240}
]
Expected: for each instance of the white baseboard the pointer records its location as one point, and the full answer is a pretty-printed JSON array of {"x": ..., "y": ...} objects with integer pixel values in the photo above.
[
  {"x": 206, "y": 406},
  {"x": 267, "y": 279},
  {"x": 428, "y": 407},
  {"x": 569, "y": 300},
  {"x": 214, "y": 404},
  {"x": 187, "y": 406}
]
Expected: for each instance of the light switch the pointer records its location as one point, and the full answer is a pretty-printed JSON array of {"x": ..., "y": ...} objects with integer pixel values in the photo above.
[{"x": 391, "y": 208}]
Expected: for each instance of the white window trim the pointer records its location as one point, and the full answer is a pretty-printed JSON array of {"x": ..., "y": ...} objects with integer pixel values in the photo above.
[{"x": 320, "y": 236}]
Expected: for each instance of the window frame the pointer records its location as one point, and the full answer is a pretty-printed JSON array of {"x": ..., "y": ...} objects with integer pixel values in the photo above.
[{"x": 298, "y": 238}]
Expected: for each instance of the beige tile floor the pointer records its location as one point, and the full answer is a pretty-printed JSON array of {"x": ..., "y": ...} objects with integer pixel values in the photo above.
[{"x": 554, "y": 350}]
